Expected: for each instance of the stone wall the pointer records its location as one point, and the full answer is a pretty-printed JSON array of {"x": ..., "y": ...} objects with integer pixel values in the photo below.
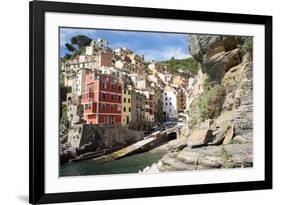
[{"x": 108, "y": 137}]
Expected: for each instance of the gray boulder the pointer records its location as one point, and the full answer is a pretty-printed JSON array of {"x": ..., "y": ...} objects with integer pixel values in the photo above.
[
  {"x": 199, "y": 138},
  {"x": 200, "y": 44}
]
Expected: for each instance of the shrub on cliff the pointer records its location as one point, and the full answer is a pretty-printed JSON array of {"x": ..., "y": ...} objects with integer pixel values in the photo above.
[
  {"x": 215, "y": 101},
  {"x": 207, "y": 106},
  {"x": 248, "y": 44}
]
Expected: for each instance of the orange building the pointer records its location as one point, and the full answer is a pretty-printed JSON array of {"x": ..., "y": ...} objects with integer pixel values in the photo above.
[{"x": 102, "y": 101}]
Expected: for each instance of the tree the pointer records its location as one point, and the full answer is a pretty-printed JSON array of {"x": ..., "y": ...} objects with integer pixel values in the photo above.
[
  {"x": 70, "y": 47},
  {"x": 66, "y": 57},
  {"x": 81, "y": 40}
]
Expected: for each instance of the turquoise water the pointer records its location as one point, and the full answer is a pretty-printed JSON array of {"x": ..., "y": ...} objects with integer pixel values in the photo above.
[{"x": 131, "y": 164}]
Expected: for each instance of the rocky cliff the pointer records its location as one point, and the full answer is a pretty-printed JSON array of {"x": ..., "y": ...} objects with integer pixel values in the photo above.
[
  {"x": 220, "y": 114},
  {"x": 95, "y": 140}
]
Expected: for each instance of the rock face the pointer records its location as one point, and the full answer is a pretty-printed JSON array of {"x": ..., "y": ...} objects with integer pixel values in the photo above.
[
  {"x": 211, "y": 157},
  {"x": 200, "y": 44},
  {"x": 223, "y": 140},
  {"x": 226, "y": 64},
  {"x": 244, "y": 115},
  {"x": 217, "y": 54}
]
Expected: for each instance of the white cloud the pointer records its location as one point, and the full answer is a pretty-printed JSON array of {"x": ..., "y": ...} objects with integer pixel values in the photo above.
[{"x": 165, "y": 54}]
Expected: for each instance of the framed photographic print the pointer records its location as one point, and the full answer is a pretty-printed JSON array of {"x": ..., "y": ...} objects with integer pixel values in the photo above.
[{"x": 141, "y": 102}]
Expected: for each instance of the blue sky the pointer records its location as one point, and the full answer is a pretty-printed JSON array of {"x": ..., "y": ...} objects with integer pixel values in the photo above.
[{"x": 153, "y": 45}]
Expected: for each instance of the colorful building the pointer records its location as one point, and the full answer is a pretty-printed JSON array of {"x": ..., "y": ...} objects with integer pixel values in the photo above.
[
  {"x": 150, "y": 109},
  {"x": 181, "y": 100},
  {"x": 138, "y": 103},
  {"x": 149, "y": 105},
  {"x": 102, "y": 100},
  {"x": 170, "y": 103},
  {"x": 127, "y": 106},
  {"x": 104, "y": 58},
  {"x": 79, "y": 83}
]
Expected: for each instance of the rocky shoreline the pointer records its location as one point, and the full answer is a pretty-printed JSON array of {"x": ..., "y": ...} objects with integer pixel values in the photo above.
[{"x": 202, "y": 158}]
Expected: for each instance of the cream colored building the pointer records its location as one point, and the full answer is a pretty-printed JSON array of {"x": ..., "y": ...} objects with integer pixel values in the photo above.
[
  {"x": 96, "y": 44},
  {"x": 127, "y": 105}
]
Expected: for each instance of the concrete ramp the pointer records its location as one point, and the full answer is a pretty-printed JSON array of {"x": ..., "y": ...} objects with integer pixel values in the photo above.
[{"x": 125, "y": 151}]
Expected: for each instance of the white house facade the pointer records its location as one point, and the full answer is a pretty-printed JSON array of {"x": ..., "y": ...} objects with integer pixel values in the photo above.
[{"x": 170, "y": 103}]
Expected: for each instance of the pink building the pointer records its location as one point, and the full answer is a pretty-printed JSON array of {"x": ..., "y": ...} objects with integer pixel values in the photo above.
[{"x": 102, "y": 100}]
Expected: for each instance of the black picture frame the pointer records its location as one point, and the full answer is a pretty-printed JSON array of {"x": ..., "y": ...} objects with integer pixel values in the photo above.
[{"x": 37, "y": 194}]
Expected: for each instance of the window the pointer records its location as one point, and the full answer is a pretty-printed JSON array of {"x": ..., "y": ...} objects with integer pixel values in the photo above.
[
  {"x": 166, "y": 98},
  {"x": 119, "y": 87},
  {"x": 125, "y": 91},
  {"x": 104, "y": 85},
  {"x": 166, "y": 104},
  {"x": 129, "y": 100},
  {"x": 129, "y": 109},
  {"x": 103, "y": 106},
  {"x": 129, "y": 92},
  {"x": 112, "y": 97},
  {"x": 119, "y": 107},
  {"x": 124, "y": 100},
  {"x": 170, "y": 103},
  {"x": 119, "y": 98},
  {"x": 124, "y": 109},
  {"x": 103, "y": 96},
  {"x": 112, "y": 86},
  {"x": 111, "y": 107}
]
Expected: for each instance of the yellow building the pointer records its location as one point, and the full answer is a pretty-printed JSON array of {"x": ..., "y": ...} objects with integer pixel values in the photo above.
[
  {"x": 178, "y": 80},
  {"x": 126, "y": 106}
]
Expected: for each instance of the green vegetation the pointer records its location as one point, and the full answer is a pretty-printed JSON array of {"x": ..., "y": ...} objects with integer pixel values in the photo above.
[
  {"x": 81, "y": 41},
  {"x": 234, "y": 141},
  {"x": 64, "y": 111},
  {"x": 188, "y": 64},
  {"x": 76, "y": 46},
  {"x": 248, "y": 44},
  {"x": 226, "y": 156},
  {"x": 64, "y": 118},
  {"x": 229, "y": 165},
  {"x": 207, "y": 105},
  {"x": 70, "y": 47}
]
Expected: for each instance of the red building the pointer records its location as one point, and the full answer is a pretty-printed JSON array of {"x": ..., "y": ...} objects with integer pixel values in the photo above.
[
  {"x": 104, "y": 58},
  {"x": 102, "y": 100}
]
